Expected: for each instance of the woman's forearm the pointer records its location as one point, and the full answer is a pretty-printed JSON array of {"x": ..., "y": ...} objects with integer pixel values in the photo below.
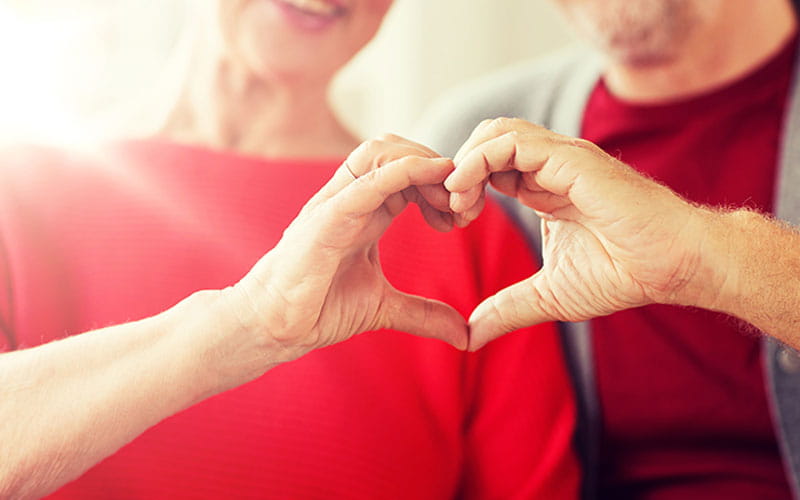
[
  {"x": 65, "y": 406},
  {"x": 68, "y": 404}
]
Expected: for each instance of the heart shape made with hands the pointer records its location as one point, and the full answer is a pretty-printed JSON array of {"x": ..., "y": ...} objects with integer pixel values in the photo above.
[{"x": 603, "y": 248}]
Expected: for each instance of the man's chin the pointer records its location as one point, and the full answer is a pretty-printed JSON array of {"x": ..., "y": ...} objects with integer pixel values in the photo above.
[
  {"x": 640, "y": 56},
  {"x": 636, "y": 32}
]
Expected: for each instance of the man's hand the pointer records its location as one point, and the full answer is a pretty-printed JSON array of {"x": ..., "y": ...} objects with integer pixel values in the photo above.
[
  {"x": 612, "y": 239},
  {"x": 323, "y": 282}
]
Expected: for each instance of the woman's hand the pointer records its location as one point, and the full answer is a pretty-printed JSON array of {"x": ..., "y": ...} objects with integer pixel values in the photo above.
[
  {"x": 612, "y": 239},
  {"x": 320, "y": 285},
  {"x": 323, "y": 282}
]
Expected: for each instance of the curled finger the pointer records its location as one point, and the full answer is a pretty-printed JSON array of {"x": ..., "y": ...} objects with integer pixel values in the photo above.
[
  {"x": 439, "y": 220},
  {"x": 370, "y": 191}
]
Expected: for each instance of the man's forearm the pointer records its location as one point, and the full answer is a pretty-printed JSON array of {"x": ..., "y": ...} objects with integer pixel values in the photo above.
[
  {"x": 758, "y": 261},
  {"x": 68, "y": 404}
]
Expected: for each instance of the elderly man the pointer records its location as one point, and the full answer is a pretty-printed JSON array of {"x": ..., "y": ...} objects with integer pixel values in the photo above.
[{"x": 677, "y": 402}]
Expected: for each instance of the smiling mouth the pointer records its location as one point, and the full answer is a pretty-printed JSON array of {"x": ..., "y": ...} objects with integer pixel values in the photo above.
[{"x": 320, "y": 8}]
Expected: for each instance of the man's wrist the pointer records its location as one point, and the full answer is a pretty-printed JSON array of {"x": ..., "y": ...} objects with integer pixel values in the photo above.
[
  {"x": 710, "y": 284},
  {"x": 759, "y": 261},
  {"x": 724, "y": 254}
]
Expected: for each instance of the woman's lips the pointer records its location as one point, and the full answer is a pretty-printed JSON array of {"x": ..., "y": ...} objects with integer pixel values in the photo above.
[{"x": 312, "y": 15}]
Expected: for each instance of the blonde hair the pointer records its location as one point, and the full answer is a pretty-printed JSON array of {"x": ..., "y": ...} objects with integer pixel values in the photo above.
[{"x": 168, "y": 106}]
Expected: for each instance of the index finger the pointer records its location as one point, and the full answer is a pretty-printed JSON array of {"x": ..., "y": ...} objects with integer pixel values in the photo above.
[
  {"x": 524, "y": 147},
  {"x": 497, "y": 154},
  {"x": 491, "y": 129},
  {"x": 368, "y": 156},
  {"x": 367, "y": 193},
  {"x": 479, "y": 135},
  {"x": 425, "y": 150}
]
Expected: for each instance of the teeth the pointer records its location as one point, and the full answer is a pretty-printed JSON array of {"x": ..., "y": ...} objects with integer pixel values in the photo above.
[{"x": 317, "y": 7}]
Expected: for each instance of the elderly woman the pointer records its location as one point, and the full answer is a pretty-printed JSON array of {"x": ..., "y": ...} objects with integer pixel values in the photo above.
[{"x": 90, "y": 240}]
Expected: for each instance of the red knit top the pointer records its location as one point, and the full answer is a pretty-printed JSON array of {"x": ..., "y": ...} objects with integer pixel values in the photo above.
[{"x": 93, "y": 239}]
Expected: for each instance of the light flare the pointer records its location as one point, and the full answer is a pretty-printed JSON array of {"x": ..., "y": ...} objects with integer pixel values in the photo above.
[{"x": 42, "y": 74}]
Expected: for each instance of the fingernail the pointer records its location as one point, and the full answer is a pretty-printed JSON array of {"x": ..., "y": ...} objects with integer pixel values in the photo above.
[
  {"x": 478, "y": 314},
  {"x": 474, "y": 334},
  {"x": 477, "y": 330},
  {"x": 448, "y": 183},
  {"x": 455, "y": 201}
]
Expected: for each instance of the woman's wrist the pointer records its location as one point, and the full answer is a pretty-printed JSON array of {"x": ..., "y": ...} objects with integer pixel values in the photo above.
[
  {"x": 206, "y": 344},
  {"x": 229, "y": 336}
]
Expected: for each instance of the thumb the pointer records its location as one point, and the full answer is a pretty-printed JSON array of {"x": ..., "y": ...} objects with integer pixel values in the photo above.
[
  {"x": 518, "y": 306},
  {"x": 426, "y": 318}
]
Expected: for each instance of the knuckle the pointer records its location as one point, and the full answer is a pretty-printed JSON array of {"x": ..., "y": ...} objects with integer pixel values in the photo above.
[
  {"x": 535, "y": 127},
  {"x": 582, "y": 144},
  {"x": 372, "y": 146},
  {"x": 485, "y": 123},
  {"x": 365, "y": 180},
  {"x": 372, "y": 180},
  {"x": 370, "y": 155},
  {"x": 501, "y": 311},
  {"x": 511, "y": 123},
  {"x": 405, "y": 161},
  {"x": 427, "y": 315},
  {"x": 553, "y": 141},
  {"x": 358, "y": 157},
  {"x": 361, "y": 149},
  {"x": 389, "y": 137},
  {"x": 501, "y": 123}
]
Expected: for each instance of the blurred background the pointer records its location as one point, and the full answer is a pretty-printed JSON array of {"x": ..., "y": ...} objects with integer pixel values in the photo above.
[{"x": 72, "y": 68}]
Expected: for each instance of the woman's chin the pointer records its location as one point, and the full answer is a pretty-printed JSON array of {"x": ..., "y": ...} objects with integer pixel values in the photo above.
[{"x": 308, "y": 38}]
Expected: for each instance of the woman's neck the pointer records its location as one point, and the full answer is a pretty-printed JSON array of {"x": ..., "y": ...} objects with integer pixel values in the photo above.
[{"x": 237, "y": 111}]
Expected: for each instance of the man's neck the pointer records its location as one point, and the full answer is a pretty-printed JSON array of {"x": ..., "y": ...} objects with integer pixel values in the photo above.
[{"x": 741, "y": 39}]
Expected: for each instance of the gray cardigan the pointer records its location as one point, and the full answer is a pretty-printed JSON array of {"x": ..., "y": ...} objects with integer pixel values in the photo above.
[{"x": 553, "y": 92}]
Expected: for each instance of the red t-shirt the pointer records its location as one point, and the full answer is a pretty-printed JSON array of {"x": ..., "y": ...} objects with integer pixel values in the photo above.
[
  {"x": 88, "y": 240},
  {"x": 683, "y": 399}
]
